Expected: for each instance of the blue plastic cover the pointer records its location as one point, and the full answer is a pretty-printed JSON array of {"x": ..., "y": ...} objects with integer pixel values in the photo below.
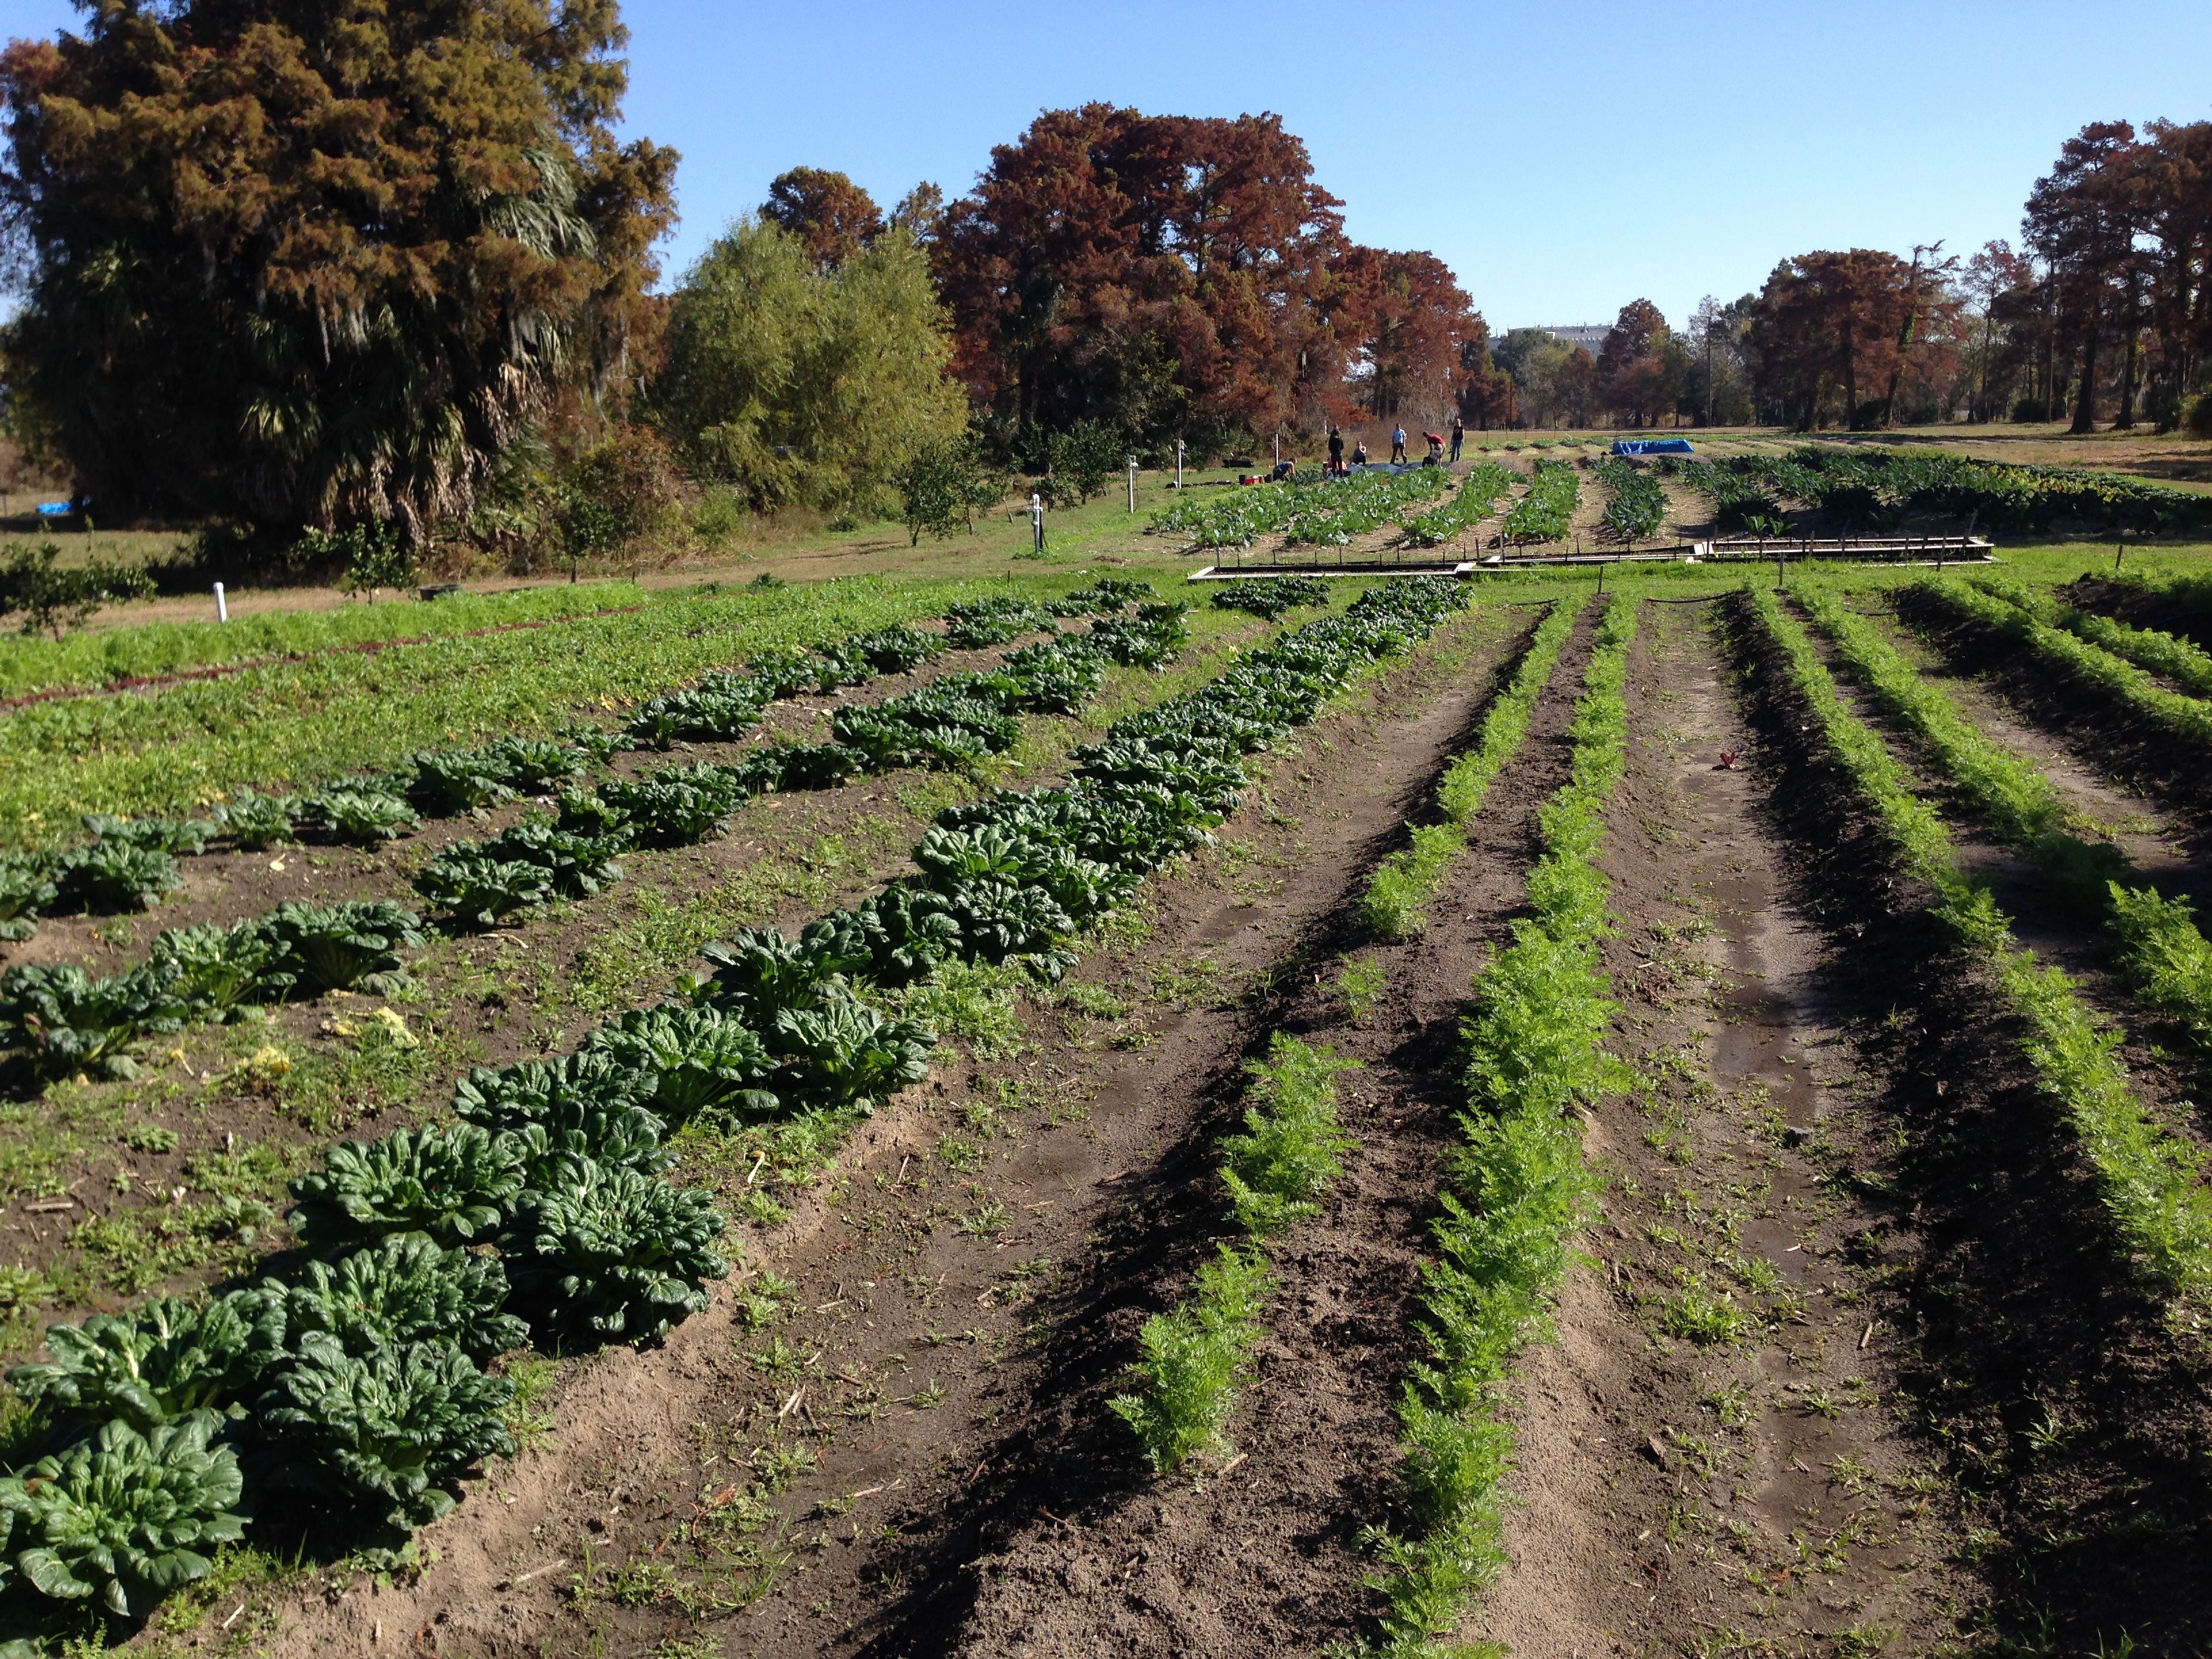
[{"x": 1652, "y": 446}]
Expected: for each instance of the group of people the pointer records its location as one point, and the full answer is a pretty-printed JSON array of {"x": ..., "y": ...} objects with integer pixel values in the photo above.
[{"x": 1437, "y": 456}]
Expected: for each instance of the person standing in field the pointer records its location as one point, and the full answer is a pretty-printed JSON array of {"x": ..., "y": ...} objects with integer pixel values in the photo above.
[
  {"x": 1335, "y": 451},
  {"x": 1397, "y": 446},
  {"x": 1459, "y": 435}
]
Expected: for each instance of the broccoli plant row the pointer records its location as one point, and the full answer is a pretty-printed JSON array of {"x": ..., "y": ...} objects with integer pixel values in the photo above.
[
  {"x": 1394, "y": 904},
  {"x": 1638, "y": 506},
  {"x": 2150, "y": 1182},
  {"x": 1517, "y": 1189},
  {"x": 1486, "y": 482},
  {"x": 1544, "y": 513},
  {"x": 1241, "y": 518}
]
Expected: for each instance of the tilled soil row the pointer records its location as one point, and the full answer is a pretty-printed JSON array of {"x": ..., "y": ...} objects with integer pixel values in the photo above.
[
  {"x": 888, "y": 1380},
  {"x": 1263, "y": 1555},
  {"x": 2075, "y": 1426},
  {"x": 1714, "y": 1457}
]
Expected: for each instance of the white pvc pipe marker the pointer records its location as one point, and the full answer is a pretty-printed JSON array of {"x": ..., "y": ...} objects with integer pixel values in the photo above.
[{"x": 221, "y": 606}]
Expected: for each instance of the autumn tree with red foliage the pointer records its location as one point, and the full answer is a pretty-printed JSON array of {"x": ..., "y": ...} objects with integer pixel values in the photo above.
[
  {"x": 1634, "y": 373},
  {"x": 311, "y": 262},
  {"x": 833, "y": 217}
]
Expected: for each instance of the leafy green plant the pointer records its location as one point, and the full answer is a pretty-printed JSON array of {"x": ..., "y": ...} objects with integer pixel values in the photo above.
[
  {"x": 123, "y": 1519},
  {"x": 1292, "y": 1144},
  {"x": 158, "y": 1364},
  {"x": 678, "y": 806},
  {"x": 843, "y": 1053},
  {"x": 1270, "y": 596},
  {"x": 1486, "y": 481},
  {"x": 213, "y": 970},
  {"x": 1544, "y": 513},
  {"x": 341, "y": 947},
  {"x": 400, "y": 1292},
  {"x": 358, "y": 815},
  {"x": 187, "y": 836},
  {"x": 531, "y": 766},
  {"x": 482, "y": 891},
  {"x": 817, "y": 765},
  {"x": 1361, "y": 985},
  {"x": 721, "y": 716},
  {"x": 64, "y": 1020},
  {"x": 979, "y": 625},
  {"x": 27, "y": 887},
  {"x": 254, "y": 821},
  {"x": 1194, "y": 1356},
  {"x": 614, "y": 1256},
  {"x": 1637, "y": 507},
  {"x": 450, "y": 1186},
  {"x": 386, "y": 1431},
  {"x": 109, "y": 877},
  {"x": 899, "y": 649},
  {"x": 448, "y": 781},
  {"x": 697, "y": 1059}
]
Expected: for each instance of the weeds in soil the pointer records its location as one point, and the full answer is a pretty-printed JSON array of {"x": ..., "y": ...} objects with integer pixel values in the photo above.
[
  {"x": 1517, "y": 1189},
  {"x": 1404, "y": 884}
]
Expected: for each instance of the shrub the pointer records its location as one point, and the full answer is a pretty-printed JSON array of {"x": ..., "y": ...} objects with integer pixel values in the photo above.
[
  {"x": 386, "y": 1430},
  {"x": 450, "y": 1185},
  {"x": 358, "y": 815},
  {"x": 124, "y": 1517},
  {"x": 50, "y": 598},
  {"x": 112, "y": 876},
  {"x": 162, "y": 1362},
  {"x": 341, "y": 947},
  {"x": 614, "y": 1256},
  {"x": 397, "y": 1293}
]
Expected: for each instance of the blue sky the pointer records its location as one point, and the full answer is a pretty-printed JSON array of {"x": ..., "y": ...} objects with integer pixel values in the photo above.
[{"x": 1562, "y": 160}]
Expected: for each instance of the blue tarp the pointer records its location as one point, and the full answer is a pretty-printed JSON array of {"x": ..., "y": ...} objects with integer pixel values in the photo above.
[
  {"x": 1652, "y": 446},
  {"x": 55, "y": 509}
]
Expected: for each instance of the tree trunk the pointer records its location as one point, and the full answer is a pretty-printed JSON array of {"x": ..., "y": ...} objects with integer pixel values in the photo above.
[
  {"x": 2126, "y": 417},
  {"x": 2085, "y": 405}
]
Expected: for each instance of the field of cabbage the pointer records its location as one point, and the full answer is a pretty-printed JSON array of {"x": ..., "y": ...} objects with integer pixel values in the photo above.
[{"x": 1081, "y": 1114}]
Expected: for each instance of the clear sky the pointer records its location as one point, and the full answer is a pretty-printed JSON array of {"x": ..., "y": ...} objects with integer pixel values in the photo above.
[{"x": 1562, "y": 159}]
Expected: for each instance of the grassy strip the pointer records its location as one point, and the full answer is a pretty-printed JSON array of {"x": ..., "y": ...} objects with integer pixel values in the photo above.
[
  {"x": 2151, "y": 1183},
  {"x": 2161, "y": 951},
  {"x": 2183, "y": 661},
  {"x": 1197, "y": 1354},
  {"x": 1397, "y": 895},
  {"x": 1517, "y": 1191},
  {"x": 289, "y": 725},
  {"x": 2186, "y": 718},
  {"x": 147, "y": 649}
]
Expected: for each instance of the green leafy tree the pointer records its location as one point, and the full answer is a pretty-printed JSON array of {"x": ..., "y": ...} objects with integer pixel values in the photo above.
[
  {"x": 51, "y": 596},
  {"x": 304, "y": 263},
  {"x": 807, "y": 386},
  {"x": 944, "y": 484}
]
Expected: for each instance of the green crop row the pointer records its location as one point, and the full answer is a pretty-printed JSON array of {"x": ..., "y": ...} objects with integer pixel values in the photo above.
[
  {"x": 1339, "y": 513},
  {"x": 1195, "y": 1354},
  {"x": 146, "y": 650},
  {"x": 1544, "y": 512},
  {"x": 1244, "y": 515},
  {"x": 1638, "y": 507},
  {"x": 1394, "y": 904},
  {"x": 2185, "y": 717},
  {"x": 1486, "y": 481},
  {"x": 2183, "y": 661},
  {"x": 1518, "y": 1189},
  {"x": 2151, "y": 1183}
]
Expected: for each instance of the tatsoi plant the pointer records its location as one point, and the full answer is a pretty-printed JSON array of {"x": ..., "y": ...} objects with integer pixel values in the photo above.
[
  {"x": 1292, "y": 1144},
  {"x": 109, "y": 877},
  {"x": 254, "y": 821},
  {"x": 1193, "y": 1358},
  {"x": 1486, "y": 482},
  {"x": 611, "y": 1254},
  {"x": 697, "y": 1059},
  {"x": 1270, "y": 596},
  {"x": 980, "y": 624},
  {"x": 1638, "y": 506},
  {"x": 721, "y": 716},
  {"x": 63, "y": 1020},
  {"x": 401, "y": 1291},
  {"x": 448, "y": 781},
  {"x": 358, "y": 815},
  {"x": 481, "y": 890},
  {"x": 1546, "y": 511},
  {"x": 899, "y": 649},
  {"x": 27, "y": 887},
  {"x": 676, "y": 807},
  {"x": 578, "y": 866},
  {"x": 124, "y": 1519},
  {"x": 845, "y": 1053},
  {"x": 213, "y": 971},
  {"x": 1341, "y": 513},
  {"x": 531, "y": 766},
  {"x": 817, "y": 765},
  {"x": 350, "y": 946},
  {"x": 450, "y": 1186},
  {"x": 172, "y": 835},
  {"x": 1396, "y": 904},
  {"x": 548, "y": 1091},
  {"x": 160, "y": 1363},
  {"x": 388, "y": 1431}
]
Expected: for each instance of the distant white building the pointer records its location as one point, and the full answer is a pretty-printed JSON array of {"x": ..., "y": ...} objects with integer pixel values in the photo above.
[{"x": 1588, "y": 336}]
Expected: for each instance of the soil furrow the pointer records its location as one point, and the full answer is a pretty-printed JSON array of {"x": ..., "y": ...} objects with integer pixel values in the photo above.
[{"x": 890, "y": 1396}]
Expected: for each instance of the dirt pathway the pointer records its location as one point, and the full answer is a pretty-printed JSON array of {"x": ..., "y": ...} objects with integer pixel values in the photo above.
[
  {"x": 1712, "y": 1456},
  {"x": 839, "y": 1433}
]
